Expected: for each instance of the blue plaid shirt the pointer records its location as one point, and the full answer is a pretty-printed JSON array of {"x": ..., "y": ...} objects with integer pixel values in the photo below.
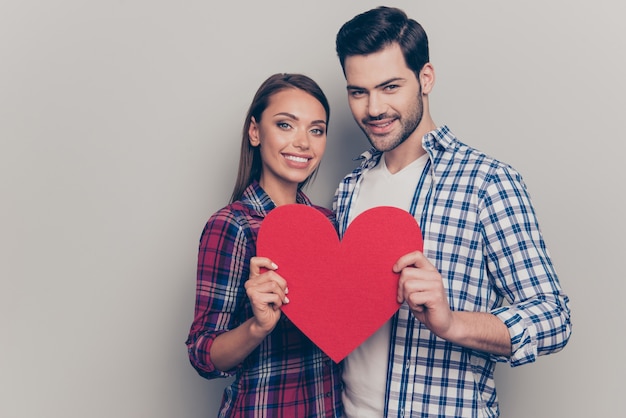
[{"x": 481, "y": 233}]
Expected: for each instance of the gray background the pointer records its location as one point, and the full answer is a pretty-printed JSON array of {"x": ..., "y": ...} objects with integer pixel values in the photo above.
[{"x": 119, "y": 134}]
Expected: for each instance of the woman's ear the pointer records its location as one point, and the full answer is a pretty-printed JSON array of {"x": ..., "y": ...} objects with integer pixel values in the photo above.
[{"x": 253, "y": 133}]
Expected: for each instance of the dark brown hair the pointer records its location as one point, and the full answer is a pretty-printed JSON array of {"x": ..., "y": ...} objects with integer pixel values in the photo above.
[{"x": 378, "y": 28}]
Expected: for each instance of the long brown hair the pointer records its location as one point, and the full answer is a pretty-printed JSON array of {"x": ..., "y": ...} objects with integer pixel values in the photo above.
[{"x": 250, "y": 158}]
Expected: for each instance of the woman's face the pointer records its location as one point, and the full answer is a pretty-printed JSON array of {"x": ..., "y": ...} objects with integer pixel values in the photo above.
[{"x": 292, "y": 137}]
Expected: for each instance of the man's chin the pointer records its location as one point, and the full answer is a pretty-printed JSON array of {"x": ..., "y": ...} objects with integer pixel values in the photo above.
[{"x": 384, "y": 146}]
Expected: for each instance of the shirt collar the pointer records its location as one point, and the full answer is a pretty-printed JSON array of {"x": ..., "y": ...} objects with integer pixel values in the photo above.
[
  {"x": 255, "y": 198},
  {"x": 438, "y": 139}
]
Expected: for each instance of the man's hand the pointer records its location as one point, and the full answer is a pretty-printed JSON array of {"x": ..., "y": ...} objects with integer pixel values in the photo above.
[{"x": 421, "y": 286}]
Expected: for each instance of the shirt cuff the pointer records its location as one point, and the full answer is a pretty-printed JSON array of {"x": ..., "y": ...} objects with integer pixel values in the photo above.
[
  {"x": 523, "y": 336},
  {"x": 200, "y": 353}
]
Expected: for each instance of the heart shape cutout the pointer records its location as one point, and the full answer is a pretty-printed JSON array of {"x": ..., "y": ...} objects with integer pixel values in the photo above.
[{"x": 340, "y": 292}]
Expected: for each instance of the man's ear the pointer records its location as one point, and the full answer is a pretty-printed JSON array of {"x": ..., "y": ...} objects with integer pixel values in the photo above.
[
  {"x": 427, "y": 78},
  {"x": 253, "y": 133}
]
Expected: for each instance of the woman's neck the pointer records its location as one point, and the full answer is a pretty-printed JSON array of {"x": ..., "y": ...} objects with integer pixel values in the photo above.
[{"x": 280, "y": 194}]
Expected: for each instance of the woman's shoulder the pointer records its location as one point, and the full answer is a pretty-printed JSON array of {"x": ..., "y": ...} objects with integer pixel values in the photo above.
[
  {"x": 302, "y": 198},
  {"x": 234, "y": 213},
  {"x": 327, "y": 212}
]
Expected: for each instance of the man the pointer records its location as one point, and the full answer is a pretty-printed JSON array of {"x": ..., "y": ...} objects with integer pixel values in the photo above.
[{"x": 484, "y": 288}]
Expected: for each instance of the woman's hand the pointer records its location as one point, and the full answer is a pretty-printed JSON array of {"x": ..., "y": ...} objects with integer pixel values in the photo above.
[{"x": 267, "y": 292}]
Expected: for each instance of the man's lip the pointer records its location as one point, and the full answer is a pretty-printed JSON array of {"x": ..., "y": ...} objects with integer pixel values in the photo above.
[
  {"x": 380, "y": 126},
  {"x": 379, "y": 123}
]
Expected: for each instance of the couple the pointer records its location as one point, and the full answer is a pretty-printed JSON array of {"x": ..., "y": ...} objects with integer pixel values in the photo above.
[{"x": 483, "y": 290}]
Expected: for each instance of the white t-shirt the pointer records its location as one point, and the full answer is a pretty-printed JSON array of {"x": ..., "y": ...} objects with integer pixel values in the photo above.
[{"x": 365, "y": 369}]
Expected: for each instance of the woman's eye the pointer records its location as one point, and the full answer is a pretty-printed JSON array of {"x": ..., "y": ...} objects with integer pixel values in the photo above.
[
  {"x": 317, "y": 131},
  {"x": 283, "y": 125}
]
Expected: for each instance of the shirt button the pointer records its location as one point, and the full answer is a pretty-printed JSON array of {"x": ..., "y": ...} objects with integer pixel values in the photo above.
[
  {"x": 407, "y": 365},
  {"x": 328, "y": 394}
]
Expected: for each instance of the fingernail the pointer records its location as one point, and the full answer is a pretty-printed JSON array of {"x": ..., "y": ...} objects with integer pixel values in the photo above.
[
  {"x": 286, "y": 290},
  {"x": 274, "y": 266},
  {"x": 286, "y": 299}
]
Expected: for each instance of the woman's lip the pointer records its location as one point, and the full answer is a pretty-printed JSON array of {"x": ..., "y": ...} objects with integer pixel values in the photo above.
[{"x": 297, "y": 158}]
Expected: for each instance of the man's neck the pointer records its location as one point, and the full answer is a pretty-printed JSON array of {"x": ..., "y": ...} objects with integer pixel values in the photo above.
[{"x": 410, "y": 150}]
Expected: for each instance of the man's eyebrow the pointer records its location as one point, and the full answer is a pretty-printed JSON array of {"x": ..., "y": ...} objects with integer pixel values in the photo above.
[{"x": 384, "y": 83}]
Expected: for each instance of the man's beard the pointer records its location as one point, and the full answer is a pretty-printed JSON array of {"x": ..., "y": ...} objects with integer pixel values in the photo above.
[{"x": 408, "y": 124}]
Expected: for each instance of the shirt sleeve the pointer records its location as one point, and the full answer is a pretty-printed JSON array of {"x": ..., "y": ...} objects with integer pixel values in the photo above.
[
  {"x": 537, "y": 314},
  {"x": 222, "y": 269}
]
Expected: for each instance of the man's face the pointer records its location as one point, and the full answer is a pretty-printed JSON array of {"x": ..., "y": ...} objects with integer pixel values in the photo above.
[{"x": 385, "y": 96}]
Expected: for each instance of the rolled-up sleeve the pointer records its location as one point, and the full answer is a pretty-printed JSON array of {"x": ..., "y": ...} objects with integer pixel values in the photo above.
[
  {"x": 538, "y": 313},
  {"x": 222, "y": 268}
]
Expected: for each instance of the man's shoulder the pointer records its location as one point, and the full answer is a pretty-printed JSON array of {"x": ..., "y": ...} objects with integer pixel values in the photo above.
[{"x": 465, "y": 155}]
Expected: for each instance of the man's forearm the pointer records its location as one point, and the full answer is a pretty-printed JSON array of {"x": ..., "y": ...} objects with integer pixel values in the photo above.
[{"x": 480, "y": 331}]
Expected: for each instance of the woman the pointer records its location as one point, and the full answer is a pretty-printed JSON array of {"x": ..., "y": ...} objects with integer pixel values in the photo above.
[{"x": 238, "y": 328}]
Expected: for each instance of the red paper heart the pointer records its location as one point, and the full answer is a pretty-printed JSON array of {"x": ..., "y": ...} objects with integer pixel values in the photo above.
[{"x": 340, "y": 292}]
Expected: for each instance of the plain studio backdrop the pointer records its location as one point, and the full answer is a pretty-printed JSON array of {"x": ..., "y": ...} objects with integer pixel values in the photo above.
[{"x": 120, "y": 124}]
